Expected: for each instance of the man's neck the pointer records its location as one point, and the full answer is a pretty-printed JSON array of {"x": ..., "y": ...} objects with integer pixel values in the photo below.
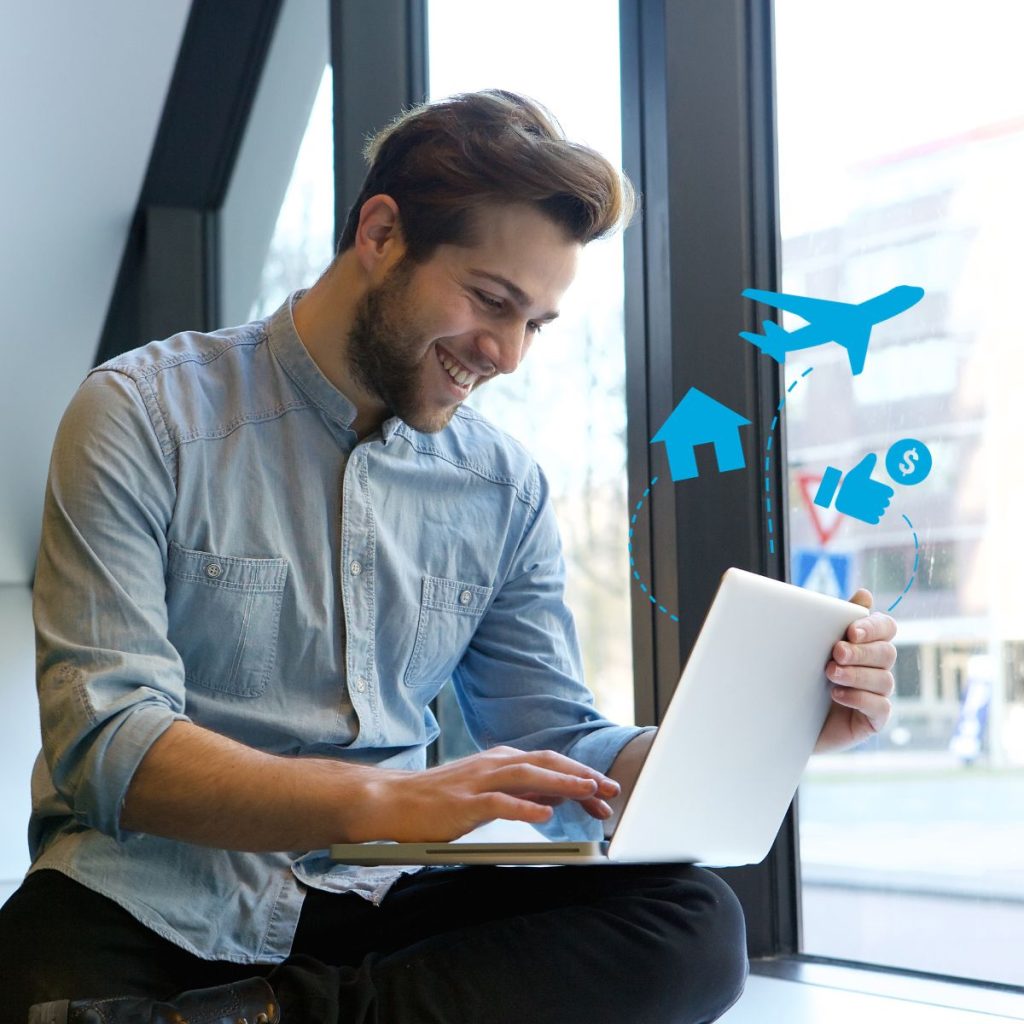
[{"x": 323, "y": 320}]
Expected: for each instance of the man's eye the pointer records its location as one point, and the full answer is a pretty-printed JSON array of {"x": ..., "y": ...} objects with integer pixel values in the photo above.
[
  {"x": 489, "y": 300},
  {"x": 534, "y": 326}
]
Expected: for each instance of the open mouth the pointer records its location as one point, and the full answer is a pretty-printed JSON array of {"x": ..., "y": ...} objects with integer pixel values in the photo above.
[{"x": 463, "y": 379}]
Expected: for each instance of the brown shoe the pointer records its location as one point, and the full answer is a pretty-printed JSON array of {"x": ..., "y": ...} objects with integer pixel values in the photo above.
[{"x": 245, "y": 1002}]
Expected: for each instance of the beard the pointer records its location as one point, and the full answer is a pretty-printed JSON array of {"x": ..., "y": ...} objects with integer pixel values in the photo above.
[{"x": 388, "y": 355}]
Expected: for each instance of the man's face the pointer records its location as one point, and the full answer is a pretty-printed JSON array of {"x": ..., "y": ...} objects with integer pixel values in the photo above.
[{"x": 429, "y": 334}]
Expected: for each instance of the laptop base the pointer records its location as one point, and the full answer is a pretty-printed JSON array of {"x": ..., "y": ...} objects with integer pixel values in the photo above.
[{"x": 376, "y": 854}]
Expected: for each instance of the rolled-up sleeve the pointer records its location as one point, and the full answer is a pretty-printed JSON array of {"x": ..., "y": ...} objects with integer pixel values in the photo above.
[
  {"x": 109, "y": 680},
  {"x": 521, "y": 680}
]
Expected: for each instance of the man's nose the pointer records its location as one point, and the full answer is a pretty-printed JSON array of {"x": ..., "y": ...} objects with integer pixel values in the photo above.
[{"x": 503, "y": 347}]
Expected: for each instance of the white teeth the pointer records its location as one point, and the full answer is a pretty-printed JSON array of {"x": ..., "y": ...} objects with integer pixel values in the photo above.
[{"x": 461, "y": 376}]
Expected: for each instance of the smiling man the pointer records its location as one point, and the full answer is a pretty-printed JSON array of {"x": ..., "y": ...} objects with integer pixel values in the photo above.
[
  {"x": 264, "y": 552},
  {"x": 413, "y": 340}
]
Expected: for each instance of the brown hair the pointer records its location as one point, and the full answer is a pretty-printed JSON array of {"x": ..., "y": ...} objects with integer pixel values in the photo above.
[{"x": 442, "y": 161}]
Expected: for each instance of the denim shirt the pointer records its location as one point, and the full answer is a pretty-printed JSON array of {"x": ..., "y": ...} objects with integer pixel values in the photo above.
[{"x": 219, "y": 547}]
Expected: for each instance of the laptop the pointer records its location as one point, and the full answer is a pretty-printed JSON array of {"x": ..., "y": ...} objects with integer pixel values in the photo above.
[{"x": 728, "y": 756}]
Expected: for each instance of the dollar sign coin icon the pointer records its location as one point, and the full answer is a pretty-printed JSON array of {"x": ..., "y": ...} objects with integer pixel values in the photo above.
[{"x": 908, "y": 461}]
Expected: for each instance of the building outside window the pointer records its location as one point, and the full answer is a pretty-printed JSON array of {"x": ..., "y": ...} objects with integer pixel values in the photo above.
[{"x": 892, "y": 171}]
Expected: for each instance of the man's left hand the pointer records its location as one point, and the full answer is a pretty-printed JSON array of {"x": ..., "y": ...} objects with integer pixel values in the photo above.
[{"x": 860, "y": 671}]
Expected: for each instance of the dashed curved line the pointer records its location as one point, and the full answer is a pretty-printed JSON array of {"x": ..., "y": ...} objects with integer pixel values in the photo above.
[
  {"x": 768, "y": 459},
  {"x": 768, "y": 508},
  {"x": 913, "y": 573},
  {"x": 632, "y": 561}
]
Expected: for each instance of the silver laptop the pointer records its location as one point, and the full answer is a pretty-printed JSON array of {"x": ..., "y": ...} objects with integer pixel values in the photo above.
[{"x": 728, "y": 756}]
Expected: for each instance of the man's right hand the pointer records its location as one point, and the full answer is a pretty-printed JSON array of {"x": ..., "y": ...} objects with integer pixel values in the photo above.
[
  {"x": 440, "y": 804},
  {"x": 199, "y": 787}
]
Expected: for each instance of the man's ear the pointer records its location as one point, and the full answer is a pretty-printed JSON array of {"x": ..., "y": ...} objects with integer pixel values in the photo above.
[{"x": 378, "y": 242}]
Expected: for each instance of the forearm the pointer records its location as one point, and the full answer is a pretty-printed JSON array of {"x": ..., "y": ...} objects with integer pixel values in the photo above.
[
  {"x": 203, "y": 788},
  {"x": 624, "y": 770}
]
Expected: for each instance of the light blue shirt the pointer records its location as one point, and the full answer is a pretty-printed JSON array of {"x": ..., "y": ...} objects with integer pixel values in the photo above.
[{"x": 219, "y": 547}]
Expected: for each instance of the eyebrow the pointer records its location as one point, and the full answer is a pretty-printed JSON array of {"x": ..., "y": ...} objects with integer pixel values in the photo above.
[{"x": 518, "y": 295}]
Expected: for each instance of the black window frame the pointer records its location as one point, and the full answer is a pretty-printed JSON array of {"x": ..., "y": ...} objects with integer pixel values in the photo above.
[
  {"x": 168, "y": 279},
  {"x": 698, "y": 137}
]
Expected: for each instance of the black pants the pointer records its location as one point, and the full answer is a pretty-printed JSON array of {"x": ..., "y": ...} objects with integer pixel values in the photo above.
[{"x": 480, "y": 945}]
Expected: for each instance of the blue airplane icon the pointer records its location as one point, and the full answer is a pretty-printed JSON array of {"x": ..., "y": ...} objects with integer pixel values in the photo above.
[{"x": 846, "y": 323}]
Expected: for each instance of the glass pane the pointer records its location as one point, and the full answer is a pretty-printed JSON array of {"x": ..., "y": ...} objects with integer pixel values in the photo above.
[
  {"x": 566, "y": 403},
  {"x": 303, "y": 240},
  {"x": 897, "y": 169}
]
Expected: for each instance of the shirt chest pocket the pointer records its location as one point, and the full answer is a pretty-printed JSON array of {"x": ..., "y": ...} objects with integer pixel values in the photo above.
[
  {"x": 223, "y": 618},
  {"x": 449, "y": 614}
]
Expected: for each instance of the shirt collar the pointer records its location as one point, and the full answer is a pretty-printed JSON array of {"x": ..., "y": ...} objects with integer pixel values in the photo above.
[{"x": 293, "y": 355}]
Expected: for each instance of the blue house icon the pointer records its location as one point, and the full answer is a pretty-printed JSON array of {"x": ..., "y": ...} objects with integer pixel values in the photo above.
[{"x": 699, "y": 419}]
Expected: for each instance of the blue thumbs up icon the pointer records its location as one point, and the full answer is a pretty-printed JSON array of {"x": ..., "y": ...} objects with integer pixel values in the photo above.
[
  {"x": 908, "y": 461},
  {"x": 859, "y": 496}
]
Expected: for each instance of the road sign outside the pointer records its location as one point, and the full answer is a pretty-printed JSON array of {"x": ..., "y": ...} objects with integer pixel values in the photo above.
[
  {"x": 821, "y": 571},
  {"x": 825, "y": 521}
]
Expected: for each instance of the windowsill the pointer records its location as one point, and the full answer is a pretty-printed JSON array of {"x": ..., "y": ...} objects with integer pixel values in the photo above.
[{"x": 804, "y": 991}]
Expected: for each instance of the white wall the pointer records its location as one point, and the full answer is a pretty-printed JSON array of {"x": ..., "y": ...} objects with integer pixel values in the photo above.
[{"x": 82, "y": 86}]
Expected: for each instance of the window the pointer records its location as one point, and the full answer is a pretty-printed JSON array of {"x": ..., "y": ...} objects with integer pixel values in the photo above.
[
  {"x": 892, "y": 171},
  {"x": 302, "y": 243},
  {"x": 277, "y": 221},
  {"x": 566, "y": 403}
]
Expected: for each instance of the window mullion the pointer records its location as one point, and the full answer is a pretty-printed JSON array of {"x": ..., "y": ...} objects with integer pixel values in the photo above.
[{"x": 698, "y": 140}]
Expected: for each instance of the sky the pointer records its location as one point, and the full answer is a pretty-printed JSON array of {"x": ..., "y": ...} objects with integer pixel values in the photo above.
[{"x": 856, "y": 81}]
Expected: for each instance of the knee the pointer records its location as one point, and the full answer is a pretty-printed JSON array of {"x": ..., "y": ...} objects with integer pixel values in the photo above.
[
  {"x": 704, "y": 958},
  {"x": 727, "y": 946}
]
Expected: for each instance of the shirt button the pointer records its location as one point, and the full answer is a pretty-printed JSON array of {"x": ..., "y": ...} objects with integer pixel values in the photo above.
[
  {"x": 360, "y": 685},
  {"x": 465, "y": 597},
  {"x": 213, "y": 570},
  {"x": 356, "y": 568}
]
